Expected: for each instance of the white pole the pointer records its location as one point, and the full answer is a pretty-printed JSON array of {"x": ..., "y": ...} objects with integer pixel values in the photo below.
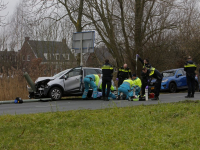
[
  {"x": 81, "y": 42},
  {"x": 146, "y": 93},
  {"x": 133, "y": 91},
  {"x": 88, "y": 47},
  {"x": 136, "y": 63},
  {"x": 81, "y": 63}
]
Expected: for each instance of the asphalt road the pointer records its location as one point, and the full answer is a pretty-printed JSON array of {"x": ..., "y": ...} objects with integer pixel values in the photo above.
[{"x": 65, "y": 105}]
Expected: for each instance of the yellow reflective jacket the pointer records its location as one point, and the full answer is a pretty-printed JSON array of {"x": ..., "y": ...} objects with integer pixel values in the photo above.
[
  {"x": 137, "y": 82},
  {"x": 96, "y": 80},
  {"x": 152, "y": 70},
  {"x": 130, "y": 82}
]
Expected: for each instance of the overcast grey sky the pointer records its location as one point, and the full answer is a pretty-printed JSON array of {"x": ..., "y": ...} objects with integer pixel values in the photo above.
[{"x": 10, "y": 7}]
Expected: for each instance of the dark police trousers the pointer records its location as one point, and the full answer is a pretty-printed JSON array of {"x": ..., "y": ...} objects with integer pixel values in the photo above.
[
  {"x": 121, "y": 80},
  {"x": 157, "y": 87},
  {"x": 106, "y": 81},
  {"x": 144, "y": 84},
  {"x": 191, "y": 84}
]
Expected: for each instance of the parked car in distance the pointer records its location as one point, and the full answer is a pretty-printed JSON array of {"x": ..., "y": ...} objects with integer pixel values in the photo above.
[
  {"x": 173, "y": 80},
  {"x": 66, "y": 83}
]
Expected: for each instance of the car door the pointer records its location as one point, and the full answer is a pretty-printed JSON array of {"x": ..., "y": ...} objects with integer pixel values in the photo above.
[
  {"x": 180, "y": 79},
  {"x": 184, "y": 79},
  {"x": 72, "y": 83}
]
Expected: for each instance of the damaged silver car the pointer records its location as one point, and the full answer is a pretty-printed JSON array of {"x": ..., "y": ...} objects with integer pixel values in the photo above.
[{"x": 66, "y": 83}]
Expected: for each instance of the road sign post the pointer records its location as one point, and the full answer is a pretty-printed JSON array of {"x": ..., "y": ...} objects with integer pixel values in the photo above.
[
  {"x": 81, "y": 47},
  {"x": 83, "y": 42},
  {"x": 136, "y": 63}
]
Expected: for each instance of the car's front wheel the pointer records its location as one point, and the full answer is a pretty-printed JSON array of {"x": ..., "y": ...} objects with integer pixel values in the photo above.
[
  {"x": 55, "y": 93},
  {"x": 172, "y": 88}
]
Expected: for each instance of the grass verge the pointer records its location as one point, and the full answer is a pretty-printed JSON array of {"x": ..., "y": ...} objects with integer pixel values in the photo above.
[{"x": 162, "y": 126}]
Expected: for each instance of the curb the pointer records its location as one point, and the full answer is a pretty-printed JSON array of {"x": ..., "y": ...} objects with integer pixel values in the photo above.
[{"x": 26, "y": 100}]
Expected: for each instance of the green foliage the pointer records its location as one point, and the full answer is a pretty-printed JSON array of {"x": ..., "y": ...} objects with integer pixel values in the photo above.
[{"x": 162, "y": 126}]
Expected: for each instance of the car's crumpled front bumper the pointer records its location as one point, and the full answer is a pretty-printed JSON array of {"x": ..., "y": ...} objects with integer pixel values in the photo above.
[{"x": 40, "y": 92}]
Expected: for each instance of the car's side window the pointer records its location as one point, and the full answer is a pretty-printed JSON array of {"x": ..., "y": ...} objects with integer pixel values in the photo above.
[
  {"x": 179, "y": 72},
  {"x": 90, "y": 71},
  {"x": 184, "y": 73},
  {"x": 74, "y": 72},
  {"x": 98, "y": 71}
]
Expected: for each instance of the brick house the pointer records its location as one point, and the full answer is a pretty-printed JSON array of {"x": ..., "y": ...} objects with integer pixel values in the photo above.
[
  {"x": 53, "y": 54},
  {"x": 97, "y": 58}
]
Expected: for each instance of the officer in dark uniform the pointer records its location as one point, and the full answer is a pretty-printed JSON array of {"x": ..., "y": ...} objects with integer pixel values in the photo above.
[
  {"x": 144, "y": 62},
  {"x": 190, "y": 68},
  {"x": 123, "y": 74},
  {"x": 107, "y": 71},
  {"x": 144, "y": 77},
  {"x": 153, "y": 73}
]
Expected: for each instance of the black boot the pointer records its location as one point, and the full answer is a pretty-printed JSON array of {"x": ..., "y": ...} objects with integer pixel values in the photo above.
[
  {"x": 188, "y": 96},
  {"x": 124, "y": 97},
  {"x": 155, "y": 98},
  {"x": 106, "y": 99},
  {"x": 102, "y": 98},
  {"x": 192, "y": 96},
  {"x": 118, "y": 98}
]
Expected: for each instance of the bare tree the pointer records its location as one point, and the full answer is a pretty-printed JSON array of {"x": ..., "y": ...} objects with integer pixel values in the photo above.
[
  {"x": 67, "y": 10},
  {"x": 103, "y": 15},
  {"x": 146, "y": 27},
  {"x": 188, "y": 34},
  {"x": 2, "y": 17}
]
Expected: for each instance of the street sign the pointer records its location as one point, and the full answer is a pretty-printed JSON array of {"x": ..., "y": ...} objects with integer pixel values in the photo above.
[{"x": 84, "y": 41}]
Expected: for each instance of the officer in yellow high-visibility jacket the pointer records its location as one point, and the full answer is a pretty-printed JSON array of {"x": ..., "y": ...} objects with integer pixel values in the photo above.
[
  {"x": 144, "y": 76},
  {"x": 190, "y": 68},
  {"x": 123, "y": 74},
  {"x": 111, "y": 95},
  {"x": 154, "y": 73},
  {"x": 107, "y": 71}
]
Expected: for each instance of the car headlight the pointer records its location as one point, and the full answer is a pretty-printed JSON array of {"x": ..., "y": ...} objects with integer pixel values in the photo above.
[{"x": 165, "y": 80}]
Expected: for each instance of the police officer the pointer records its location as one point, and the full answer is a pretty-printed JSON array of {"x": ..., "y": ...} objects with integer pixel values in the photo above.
[
  {"x": 107, "y": 71},
  {"x": 91, "y": 80},
  {"x": 190, "y": 68},
  {"x": 144, "y": 62},
  {"x": 111, "y": 95},
  {"x": 123, "y": 74},
  {"x": 153, "y": 73},
  {"x": 144, "y": 77}
]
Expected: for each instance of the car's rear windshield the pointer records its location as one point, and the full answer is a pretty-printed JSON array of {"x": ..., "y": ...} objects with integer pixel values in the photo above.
[{"x": 168, "y": 74}]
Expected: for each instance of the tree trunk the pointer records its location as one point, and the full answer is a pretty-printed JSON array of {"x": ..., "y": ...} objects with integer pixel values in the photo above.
[{"x": 139, "y": 7}]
